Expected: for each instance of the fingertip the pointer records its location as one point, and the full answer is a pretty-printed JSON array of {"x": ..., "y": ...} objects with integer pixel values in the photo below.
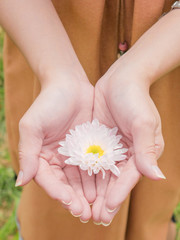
[
  {"x": 23, "y": 178},
  {"x": 76, "y": 208},
  {"x": 157, "y": 172},
  {"x": 28, "y": 171},
  {"x": 152, "y": 171},
  {"x": 89, "y": 186},
  {"x": 19, "y": 180},
  {"x": 111, "y": 206},
  {"x": 83, "y": 221},
  {"x": 66, "y": 199},
  {"x": 91, "y": 197},
  {"x": 96, "y": 210},
  {"x": 68, "y": 203},
  {"x": 75, "y": 214},
  {"x": 106, "y": 224},
  {"x": 111, "y": 210}
]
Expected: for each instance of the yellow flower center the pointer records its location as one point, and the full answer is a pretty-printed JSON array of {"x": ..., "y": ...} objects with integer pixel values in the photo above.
[{"x": 95, "y": 149}]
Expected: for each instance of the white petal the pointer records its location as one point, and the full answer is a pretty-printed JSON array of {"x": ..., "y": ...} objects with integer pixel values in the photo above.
[
  {"x": 95, "y": 123},
  {"x": 70, "y": 162},
  {"x": 113, "y": 131},
  {"x": 63, "y": 151},
  {"x": 62, "y": 143},
  {"x": 83, "y": 167},
  {"x": 120, "y": 145},
  {"x": 96, "y": 170},
  {"x": 72, "y": 132},
  {"x": 103, "y": 173},
  {"x": 115, "y": 170},
  {"x": 90, "y": 171},
  {"x": 67, "y": 161},
  {"x": 122, "y": 157},
  {"x": 118, "y": 138},
  {"x": 120, "y": 151}
]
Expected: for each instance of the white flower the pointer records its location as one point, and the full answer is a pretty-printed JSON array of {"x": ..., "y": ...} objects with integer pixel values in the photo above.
[{"x": 93, "y": 147}]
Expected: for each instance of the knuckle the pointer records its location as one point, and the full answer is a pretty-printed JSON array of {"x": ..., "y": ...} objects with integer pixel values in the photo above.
[
  {"x": 54, "y": 196},
  {"x": 24, "y": 124},
  {"x": 147, "y": 151},
  {"x": 144, "y": 121},
  {"x": 160, "y": 147},
  {"x": 162, "y": 144}
]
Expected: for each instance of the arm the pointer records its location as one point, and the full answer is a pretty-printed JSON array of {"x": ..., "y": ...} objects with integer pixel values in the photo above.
[
  {"x": 123, "y": 100},
  {"x": 37, "y": 30},
  {"x": 157, "y": 52},
  {"x": 65, "y": 100}
]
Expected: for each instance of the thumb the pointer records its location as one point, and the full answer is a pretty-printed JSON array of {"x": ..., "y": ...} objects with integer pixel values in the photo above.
[
  {"x": 148, "y": 146},
  {"x": 29, "y": 149}
]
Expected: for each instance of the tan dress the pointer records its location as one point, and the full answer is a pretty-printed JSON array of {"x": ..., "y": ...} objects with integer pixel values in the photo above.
[{"x": 95, "y": 29}]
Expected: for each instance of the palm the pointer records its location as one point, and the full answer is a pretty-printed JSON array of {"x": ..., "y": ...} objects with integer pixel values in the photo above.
[
  {"x": 54, "y": 112},
  {"x": 104, "y": 187},
  {"x": 128, "y": 107}
]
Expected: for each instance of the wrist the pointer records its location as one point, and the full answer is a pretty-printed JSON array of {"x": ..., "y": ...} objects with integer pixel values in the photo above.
[
  {"x": 126, "y": 73},
  {"x": 61, "y": 76}
]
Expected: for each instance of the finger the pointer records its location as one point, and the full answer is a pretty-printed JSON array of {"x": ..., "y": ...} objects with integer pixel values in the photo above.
[
  {"x": 89, "y": 186},
  {"x": 123, "y": 185},
  {"x": 146, "y": 149},
  {"x": 159, "y": 143},
  {"x": 101, "y": 186},
  {"x": 54, "y": 187},
  {"x": 82, "y": 208},
  {"x": 85, "y": 215},
  {"x": 29, "y": 148},
  {"x": 58, "y": 172},
  {"x": 105, "y": 215}
]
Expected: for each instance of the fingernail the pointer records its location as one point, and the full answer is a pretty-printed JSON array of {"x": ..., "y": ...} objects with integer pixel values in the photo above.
[
  {"x": 106, "y": 224},
  {"x": 75, "y": 215},
  {"x": 158, "y": 172},
  {"x": 97, "y": 223},
  {"x": 67, "y": 203},
  {"x": 84, "y": 221},
  {"x": 111, "y": 210},
  {"x": 19, "y": 179}
]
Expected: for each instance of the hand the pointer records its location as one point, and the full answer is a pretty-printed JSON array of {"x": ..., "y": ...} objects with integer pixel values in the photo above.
[
  {"x": 60, "y": 106},
  {"x": 122, "y": 99}
]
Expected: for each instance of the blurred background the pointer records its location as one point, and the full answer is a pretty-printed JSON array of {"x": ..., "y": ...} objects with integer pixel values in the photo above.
[{"x": 9, "y": 195}]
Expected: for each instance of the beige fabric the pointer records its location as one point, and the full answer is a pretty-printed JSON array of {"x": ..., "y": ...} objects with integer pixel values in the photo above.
[{"x": 95, "y": 28}]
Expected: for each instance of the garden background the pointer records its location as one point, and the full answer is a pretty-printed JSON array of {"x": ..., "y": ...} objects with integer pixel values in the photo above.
[{"x": 9, "y": 195}]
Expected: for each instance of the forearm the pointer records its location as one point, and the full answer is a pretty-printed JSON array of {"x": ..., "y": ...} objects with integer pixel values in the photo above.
[
  {"x": 37, "y": 30},
  {"x": 157, "y": 52}
]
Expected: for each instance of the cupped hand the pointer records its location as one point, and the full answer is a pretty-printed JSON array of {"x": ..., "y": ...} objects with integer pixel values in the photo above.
[
  {"x": 60, "y": 106},
  {"x": 122, "y": 99}
]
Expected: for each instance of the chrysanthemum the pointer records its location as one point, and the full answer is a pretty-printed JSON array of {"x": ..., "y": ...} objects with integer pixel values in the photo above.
[{"x": 93, "y": 147}]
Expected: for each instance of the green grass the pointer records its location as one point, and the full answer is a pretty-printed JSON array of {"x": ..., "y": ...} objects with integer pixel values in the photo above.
[
  {"x": 2, "y": 118},
  {"x": 177, "y": 216},
  {"x": 9, "y": 195},
  {"x": 9, "y": 198}
]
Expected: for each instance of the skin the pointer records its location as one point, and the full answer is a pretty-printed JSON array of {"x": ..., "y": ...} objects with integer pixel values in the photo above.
[
  {"x": 142, "y": 136},
  {"x": 41, "y": 129},
  {"x": 66, "y": 99},
  {"x": 120, "y": 98}
]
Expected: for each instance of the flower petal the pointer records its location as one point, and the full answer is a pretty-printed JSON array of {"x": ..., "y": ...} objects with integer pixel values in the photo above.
[{"x": 115, "y": 170}]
